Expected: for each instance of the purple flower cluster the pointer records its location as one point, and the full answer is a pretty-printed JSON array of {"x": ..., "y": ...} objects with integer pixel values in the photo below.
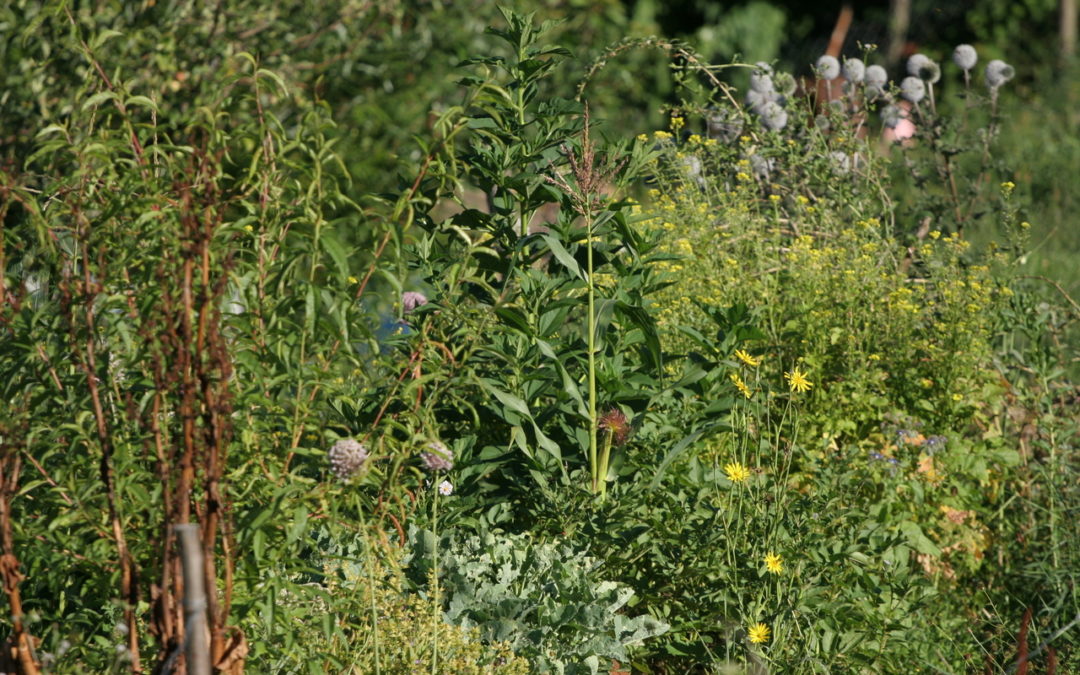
[{"x": 347, "y": 457}]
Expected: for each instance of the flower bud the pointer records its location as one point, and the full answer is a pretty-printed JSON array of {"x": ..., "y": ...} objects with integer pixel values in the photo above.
[{"x": 437, "y": 457}]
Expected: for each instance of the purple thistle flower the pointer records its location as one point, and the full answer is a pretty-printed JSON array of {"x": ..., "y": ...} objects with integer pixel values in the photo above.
[
  {"x": 438, "y": 457},
  {"x": 410, "y": 300},
  {"x": 347, "y": 457}
]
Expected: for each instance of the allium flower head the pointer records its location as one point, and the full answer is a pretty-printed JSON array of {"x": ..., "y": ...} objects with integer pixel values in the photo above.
[
  {"x": 773, "y": 116},
  {"x": 912, "y": 89},
  {"x": 736, "y": 473},
  {"x": 774, "y": 563},
  {"x": 759, "y": 633},
  {"x": 347, "y": 457},
  {"x": 854, "y": 70},
  {"x": 827, "y": 67},
  {"x": 965, "y": 56},
  {"x": 437, "y": 457},
  {"x": 915, "y": 63},
  {"x": 998, "y": 73},
  {"x": 410, "y": 300},
  {"x": 614, "y": 421},
  {"x": 797, "y": 380}
]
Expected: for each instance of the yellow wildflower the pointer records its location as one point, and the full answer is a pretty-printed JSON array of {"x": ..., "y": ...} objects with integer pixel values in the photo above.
[
  {"x": 759, "y": 633},
  {"x": 353, "y": 280},
  {"x": 747, "y": 359},
  {"x": 740, "y": 385},
  {"x": 797, "y": 380},
  {"x": 736, "y": 473},
  {"x": 774, "y": 563}
]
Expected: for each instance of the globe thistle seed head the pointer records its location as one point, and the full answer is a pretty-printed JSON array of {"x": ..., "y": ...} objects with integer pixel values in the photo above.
[
  {"x": 347, "y": 457},
  {"x": 437, "y": 457},
  {"x": 761, "y": 78},
  {"x": 841, "y": 162},
  {"x": 875, "y": 77},
  {"x": 915, "y": 63},
  {"x": 773, "y": 116},
  {"x": 785, "y": 84},
  {"x": 410, "y": 300},
  {"x": 854, "y": 70},
  {"x": 827, "y": 67},
  {"x": 965, "y": 56},
  {"x": 762, "y": 168},
  {"x": 891, "y": 115},
  {"x": 929, "y": 71},
  {"x": 725, "y": 125},
  {"x": 912, "y": 89},
  {"x": 998, "y": 73}
]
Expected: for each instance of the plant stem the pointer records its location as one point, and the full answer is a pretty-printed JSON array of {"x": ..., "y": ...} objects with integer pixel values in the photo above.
[{"x": 597, "y": 485}]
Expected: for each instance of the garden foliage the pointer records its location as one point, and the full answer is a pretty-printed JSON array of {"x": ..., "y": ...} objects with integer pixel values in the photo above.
[{"x": 498, "y": 408}]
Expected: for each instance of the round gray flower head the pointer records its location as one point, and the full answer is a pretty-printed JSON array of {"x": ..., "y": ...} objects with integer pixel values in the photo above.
[
  {"x": 827, "y": 67},
  {"x": 347, "y": 457},
  {"x": 725, "y": 125},
  {"x": 785, "y": 84},
  {"x": 891, "y": 115},
  {"x": 841, "y": 162},
  {"x": 915, "y": 63},
  {"x": 437, "y": 457},
  {"x": 822, "y": 122},
  {"x": 761, "y": 82},
  {"x": 761, "y": 77},
  {"x": 410, "y": 300},
  {"x": 762, "y": 167},
  {"x": 854, "y": 70},
  {"x": 875, "y": 77},
  {"x": 998, "y": 73},
  {"x": 965, "y": 56},
  {"x": 757, "y": 100},
  {"x": 773, "y": 116},
  {"x": 912, "y": 89},
  {"x": 929, "y": 71}
]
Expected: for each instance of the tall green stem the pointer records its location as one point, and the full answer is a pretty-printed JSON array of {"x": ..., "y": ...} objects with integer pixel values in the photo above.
[{"x": 597, "y": 480}]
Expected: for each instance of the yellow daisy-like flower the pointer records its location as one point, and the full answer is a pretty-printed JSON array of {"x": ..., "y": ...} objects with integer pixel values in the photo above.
[
  {"x": 759, "y": 633},
  {"x": 774, "y": 563},
  {"x": 740, "y": 385},
  {"x": 736, "y": 473},
  {"x": 747, "y": 359},
  {"x": 796, "y": 379}
]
